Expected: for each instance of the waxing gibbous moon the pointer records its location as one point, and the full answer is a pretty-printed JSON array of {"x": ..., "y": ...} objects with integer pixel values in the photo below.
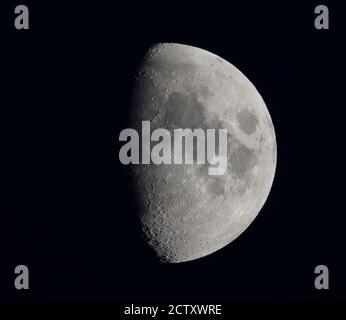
[{"x": 185, "y": 213}]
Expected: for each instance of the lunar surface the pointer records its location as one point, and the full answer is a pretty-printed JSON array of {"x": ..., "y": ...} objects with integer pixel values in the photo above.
[{"x": 185, "y": 213}]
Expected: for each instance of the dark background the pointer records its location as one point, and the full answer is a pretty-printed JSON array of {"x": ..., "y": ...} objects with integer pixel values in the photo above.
[{"x": 66, "y": 204}]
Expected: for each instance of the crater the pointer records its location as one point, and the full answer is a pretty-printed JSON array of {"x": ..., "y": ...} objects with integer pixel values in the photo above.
[{"x": 184, "y": 72}]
